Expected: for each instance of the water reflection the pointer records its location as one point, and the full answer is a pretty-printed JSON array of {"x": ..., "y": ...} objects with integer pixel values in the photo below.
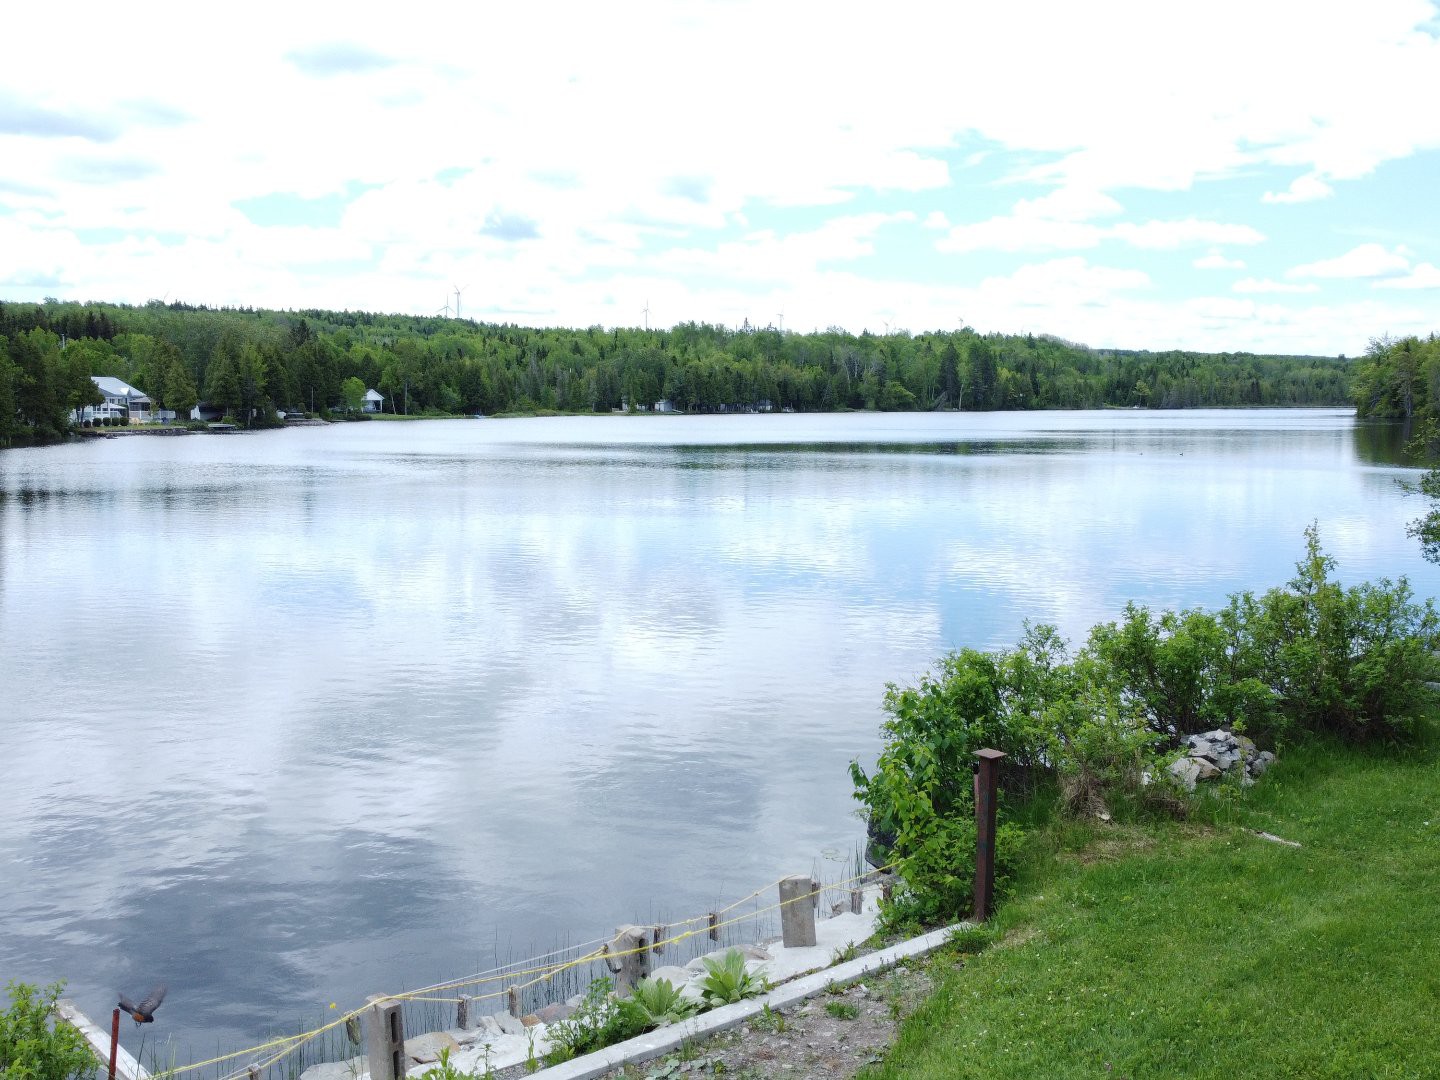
[{"x": 312, "y": 714}]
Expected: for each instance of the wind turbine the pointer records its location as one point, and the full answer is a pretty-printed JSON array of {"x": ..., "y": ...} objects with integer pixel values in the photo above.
[
  {"x": 458, "y": 291},
  {"x": 646, "y": 310},
  {"x": 781, "y": 316}
]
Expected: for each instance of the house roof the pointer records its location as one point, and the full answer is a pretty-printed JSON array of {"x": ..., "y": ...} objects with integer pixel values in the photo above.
[
  {"x": 117, "y": 388},
  {"x": 371, "y": 395}
]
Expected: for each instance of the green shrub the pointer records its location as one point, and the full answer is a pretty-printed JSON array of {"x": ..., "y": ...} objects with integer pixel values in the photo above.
[
  {"x": 727, "y": 981},
  {"x": 662, "y": 1002},
  {"x": 1308, "y": 659},
  {"x": 601, "y": 1020},
  {"x": 32, "y": 1046}
]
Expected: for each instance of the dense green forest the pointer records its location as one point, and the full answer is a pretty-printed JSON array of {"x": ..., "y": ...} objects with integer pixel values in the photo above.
[
  {"x": 251, "y": 363},
  {"x": 1399, "y": 379}
]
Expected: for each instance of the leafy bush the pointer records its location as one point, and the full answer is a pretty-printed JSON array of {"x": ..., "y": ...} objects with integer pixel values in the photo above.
[
  {"x": 601, "y": 1020},
  {"x": 32, "y": 1047},
  {"x": 1310, "y": 658},
  {"x": 727, "y": 981},
  {"x": 662, "y": 1002}
]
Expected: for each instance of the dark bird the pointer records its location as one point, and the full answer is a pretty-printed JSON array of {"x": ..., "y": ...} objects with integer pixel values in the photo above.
[{"x": 144, "y": 1013}]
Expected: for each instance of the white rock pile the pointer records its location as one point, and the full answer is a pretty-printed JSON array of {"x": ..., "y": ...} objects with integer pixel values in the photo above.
[{"x": 1215, "y": 754}]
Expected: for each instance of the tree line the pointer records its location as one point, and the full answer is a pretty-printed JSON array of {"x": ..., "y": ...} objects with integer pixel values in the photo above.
[
  {"x": 251, "y": 363},
  {"x": 1399, "y": 379}
]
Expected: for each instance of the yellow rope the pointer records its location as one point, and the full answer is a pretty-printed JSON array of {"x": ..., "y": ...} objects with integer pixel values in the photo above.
[{"x": 290, "y": 1043}]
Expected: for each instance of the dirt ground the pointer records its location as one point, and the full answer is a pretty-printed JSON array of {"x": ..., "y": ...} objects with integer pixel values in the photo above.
[{"x": 832, "y": 1035}]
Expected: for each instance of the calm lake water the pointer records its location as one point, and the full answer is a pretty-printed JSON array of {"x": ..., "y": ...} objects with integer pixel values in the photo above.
[{"x": 299, "y": 716}]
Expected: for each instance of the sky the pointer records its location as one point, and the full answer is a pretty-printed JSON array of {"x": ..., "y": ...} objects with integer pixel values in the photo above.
[{"x": 1258, "y": 175}]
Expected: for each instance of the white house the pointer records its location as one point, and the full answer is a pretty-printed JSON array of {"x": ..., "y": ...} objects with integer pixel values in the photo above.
[
  {"x": 121, "y": 400},
  {"x": 373, "y": 402}
]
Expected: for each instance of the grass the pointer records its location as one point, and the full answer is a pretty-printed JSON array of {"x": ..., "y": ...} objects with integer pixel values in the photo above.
[{"x": 1202, "y": 950}]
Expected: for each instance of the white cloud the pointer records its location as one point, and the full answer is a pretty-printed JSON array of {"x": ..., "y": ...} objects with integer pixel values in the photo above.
[
  {"x": 668, "y": 150},
  {"x": 1216, "y": 261},
  {"x": 1023, "y": 232},
  {"x": 1068, "y": 204},
  {"x": 1424, "y": 276},
  {"x": 1266, "y": 285},
  {"x": 1167, "y": 235},
  {"x": 1365, "y": 261},
  {"x": 1305, "y": 188}
]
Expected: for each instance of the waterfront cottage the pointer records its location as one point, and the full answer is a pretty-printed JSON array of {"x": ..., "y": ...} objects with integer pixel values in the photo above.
[{"x": 122, "y": 401}]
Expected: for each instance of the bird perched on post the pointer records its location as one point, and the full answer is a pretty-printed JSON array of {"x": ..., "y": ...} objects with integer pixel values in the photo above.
[{"x": 144, "y": 1013}]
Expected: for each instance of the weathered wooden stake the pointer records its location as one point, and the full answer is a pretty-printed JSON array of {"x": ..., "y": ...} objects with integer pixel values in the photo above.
[
  {"x": 985, "y": 787},
  {"x": 714, "y": 926},
  {"x": 512, "y": 1000},
  {"x": 887, "y": 889},
  {"x": 462, "y": 1013},
  {"x": 857, "y": 900},
  {"x": 797, "y": 918},
  {"x": 815, "y": 891},
  {"x": 385, "y": 1038},
  {"x": 352, "y": 1029},
  {"x": 253, "y": 1071},
  {"x": 114, "y": 1041},
  {"x": 658, "y": 939}
]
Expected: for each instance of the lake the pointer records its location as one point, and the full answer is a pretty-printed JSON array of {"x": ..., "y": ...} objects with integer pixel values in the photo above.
[{"x": 298, "y": 716}]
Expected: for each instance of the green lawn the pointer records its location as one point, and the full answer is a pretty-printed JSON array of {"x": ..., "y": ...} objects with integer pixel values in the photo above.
[{"x": 1201, "y": 950}]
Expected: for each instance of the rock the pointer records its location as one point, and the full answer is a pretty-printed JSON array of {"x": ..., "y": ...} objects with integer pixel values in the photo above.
[
  {"x": 424, "y": 1049},
  {"x": 1248, "y": 745},
  {"x": 509, "y": 1025},
  {"x": 755, "y": 952},
  {"x": 487, "y": 1029},
  {"x": 1185, "y": 771},
  {"x": 337, "y": 1070},
  {"x": 552, "y": 1013},
  {"x": 1260, "y": 762},
  {"x": 529, "y": 1020},
  {"x": 1205, "y": 769}
]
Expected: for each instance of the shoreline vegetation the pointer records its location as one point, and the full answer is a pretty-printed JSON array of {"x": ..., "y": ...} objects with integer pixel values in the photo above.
[
  {"x": 1250, "y": 926},
  {"x": 252, "y": 364}
]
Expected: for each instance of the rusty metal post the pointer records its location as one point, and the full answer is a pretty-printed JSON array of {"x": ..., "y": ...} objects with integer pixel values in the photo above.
[
  {"x": 114, "y": 1040},
  {"x": 985, "y": 787}
]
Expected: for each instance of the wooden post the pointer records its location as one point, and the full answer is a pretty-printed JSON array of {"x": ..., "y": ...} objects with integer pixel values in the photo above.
[
  {"x": 657, "y": 939},
  {"x": 114, "y": 1041},
  {"x": 714, "y": 926},
  {"x": 985, "y": 787},
  {"x": 462, "y": 1013},
  {"x": 512, "y": 1001},
  {"x": 253, "y": 1072},
  {"x": 857, "y": 900},
  {"x": 797, "y": 918},
  {"x": 815, "y": 897},
  {"x": 385, "y": 1039}
]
